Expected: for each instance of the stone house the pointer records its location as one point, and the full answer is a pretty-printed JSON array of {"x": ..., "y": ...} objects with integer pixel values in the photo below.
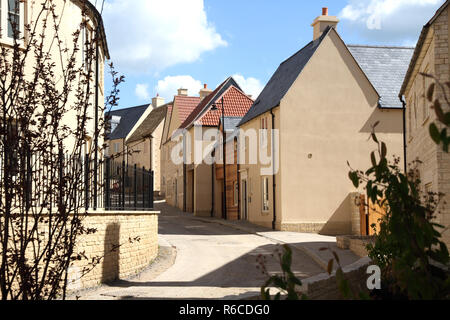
[
  {"x": 144, "y": 140},
  {"x": 122, "y": 121},
  {"x": 319, "y": 108},
  {"x": 431, "y": 56}
]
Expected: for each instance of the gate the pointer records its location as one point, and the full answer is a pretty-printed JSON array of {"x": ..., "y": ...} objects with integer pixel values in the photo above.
[{"x": 370, "y": 214}]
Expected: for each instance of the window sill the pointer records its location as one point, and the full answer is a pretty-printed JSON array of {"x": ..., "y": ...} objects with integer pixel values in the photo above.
[{"x": 7, "y": 42}]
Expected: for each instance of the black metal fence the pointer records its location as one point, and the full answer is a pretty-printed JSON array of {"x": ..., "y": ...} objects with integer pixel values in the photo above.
[
  {"x": 107, "y": 184},
  {"x": 127, "y": 187}
]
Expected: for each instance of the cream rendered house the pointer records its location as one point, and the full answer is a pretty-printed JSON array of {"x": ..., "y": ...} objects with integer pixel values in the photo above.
[
  {"x": 432, "y": 57},
  {"x": 172, "y": 185},
  {"x": 323, "y": 101},
  {"x": 201, "y": 132},
  {"x": 70, "y": 17}
]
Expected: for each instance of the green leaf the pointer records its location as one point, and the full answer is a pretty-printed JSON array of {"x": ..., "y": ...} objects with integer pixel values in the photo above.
[
  {"x": 430, "y": 92},
  {"x": 383, "y": 150},
  {"x": 447, "y": 119},
  {"x": 434, "y": 133},
  {"x": 374, "y": 137},
  {"x": 330, "y": 266},
  {"x": 354, "y": 178},
  {"x": 373, "y": 159},
  {"x": 438, "y": 109}
]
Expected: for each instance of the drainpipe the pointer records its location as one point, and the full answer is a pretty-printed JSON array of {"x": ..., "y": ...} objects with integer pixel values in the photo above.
[
  {"x": 212, "y": 186},
  {"x": 273, "y": 173},
  {"x": 404, "y": 133},
  {"x": 238, "y": 179}
]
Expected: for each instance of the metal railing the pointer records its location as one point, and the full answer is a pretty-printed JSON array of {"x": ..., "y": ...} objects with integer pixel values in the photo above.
[
  {"x": 127, "y": 187},
  {"x": 119, "y": 186}
]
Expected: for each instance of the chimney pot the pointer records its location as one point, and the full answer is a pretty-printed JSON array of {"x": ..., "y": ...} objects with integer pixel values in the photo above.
[
  {"x": 325, "y": 11},
  {"x": 205, "y": 86}
]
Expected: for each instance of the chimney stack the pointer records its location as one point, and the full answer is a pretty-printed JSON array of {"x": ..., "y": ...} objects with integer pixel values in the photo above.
[
  {"x": 157, "y": 101},
  {"x": 182, "y": 92},
  {"x": 204, "y": 92},
  {"x": 322, "y": 22}
]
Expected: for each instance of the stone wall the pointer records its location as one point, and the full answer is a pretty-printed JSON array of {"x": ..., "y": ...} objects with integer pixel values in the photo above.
[
  {"x": 116, "y": 229},
  {"x": 325, "y": 287}
]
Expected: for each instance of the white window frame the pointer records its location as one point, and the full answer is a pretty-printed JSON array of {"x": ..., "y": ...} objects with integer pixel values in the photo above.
[
  {"x": 4, "y": 20},
  {"x": 265, "y": 194}
]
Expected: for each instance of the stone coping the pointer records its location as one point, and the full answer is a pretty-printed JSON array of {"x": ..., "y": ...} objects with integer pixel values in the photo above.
[{"x": 102, "y": 212}]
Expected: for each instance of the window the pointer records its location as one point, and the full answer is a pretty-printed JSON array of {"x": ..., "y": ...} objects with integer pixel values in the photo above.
[
  {"x": 236, "y": 193},
  {"x": 263, "y": 133},
  {"x": 265, "y": 194},
  {"x": 86, "y": 37},
  {"x": 11, "y": 19},
  {"x": 116, "y": 147}
]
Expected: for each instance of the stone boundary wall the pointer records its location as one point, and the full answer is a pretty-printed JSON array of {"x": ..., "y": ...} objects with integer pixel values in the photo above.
[
  {"x": 115, "y": 229},
  {"x": 324, "y": 286}
]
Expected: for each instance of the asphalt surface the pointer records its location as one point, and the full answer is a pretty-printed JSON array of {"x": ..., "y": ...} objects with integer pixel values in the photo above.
[{"x": 204, "y": 260}]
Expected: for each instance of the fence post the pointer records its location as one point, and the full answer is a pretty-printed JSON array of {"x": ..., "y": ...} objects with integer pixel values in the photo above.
[
  {"x": 143, "y": 187},
  {"x": 151, "y": 190},
  {"x": 123, "y": 184},
  {"x": 86, "y": 181},
  {"x": 107, "y": 183},
  {"x": 135, "y": 186}
]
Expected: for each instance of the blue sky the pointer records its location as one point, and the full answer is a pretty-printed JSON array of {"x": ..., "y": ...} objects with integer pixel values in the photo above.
[{"x": 161, "y": 45}]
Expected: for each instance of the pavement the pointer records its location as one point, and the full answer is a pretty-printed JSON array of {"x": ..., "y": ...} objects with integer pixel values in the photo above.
[{"x": 207, "y": 258}]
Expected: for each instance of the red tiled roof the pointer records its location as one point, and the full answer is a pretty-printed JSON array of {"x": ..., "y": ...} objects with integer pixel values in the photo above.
[
  {"x": 185, "y": 106},
  {"x": 201, "y": 106},
  {"x": 236, "y": 104}
]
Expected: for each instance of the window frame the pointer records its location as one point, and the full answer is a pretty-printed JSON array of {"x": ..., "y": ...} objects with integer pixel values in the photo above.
[{"x": 4, "y": 23}]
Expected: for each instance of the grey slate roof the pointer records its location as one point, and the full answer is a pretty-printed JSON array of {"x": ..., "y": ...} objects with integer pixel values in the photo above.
[
  {"x": 283, "y": 79},
  {"x": 386, "y": 68},
  {"x": 129, "y": 117}
]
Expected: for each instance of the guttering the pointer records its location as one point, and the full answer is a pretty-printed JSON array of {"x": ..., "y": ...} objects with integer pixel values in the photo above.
[
  {"x": 273, "y": 173},
  {"x": 404, "y": 133}
]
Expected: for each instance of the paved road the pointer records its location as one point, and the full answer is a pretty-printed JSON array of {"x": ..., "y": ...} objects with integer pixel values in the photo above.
[{"x": 212, "y": 262}]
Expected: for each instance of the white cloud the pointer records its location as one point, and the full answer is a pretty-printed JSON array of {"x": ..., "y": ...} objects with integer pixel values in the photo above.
[
  {"x": 141, "y": 91},
  {"x": 146, "y": 36},
  {"x": 389, "y": 20},
  {"x": 250, "y": 85},
  {"x": 168, "y": 87}
]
